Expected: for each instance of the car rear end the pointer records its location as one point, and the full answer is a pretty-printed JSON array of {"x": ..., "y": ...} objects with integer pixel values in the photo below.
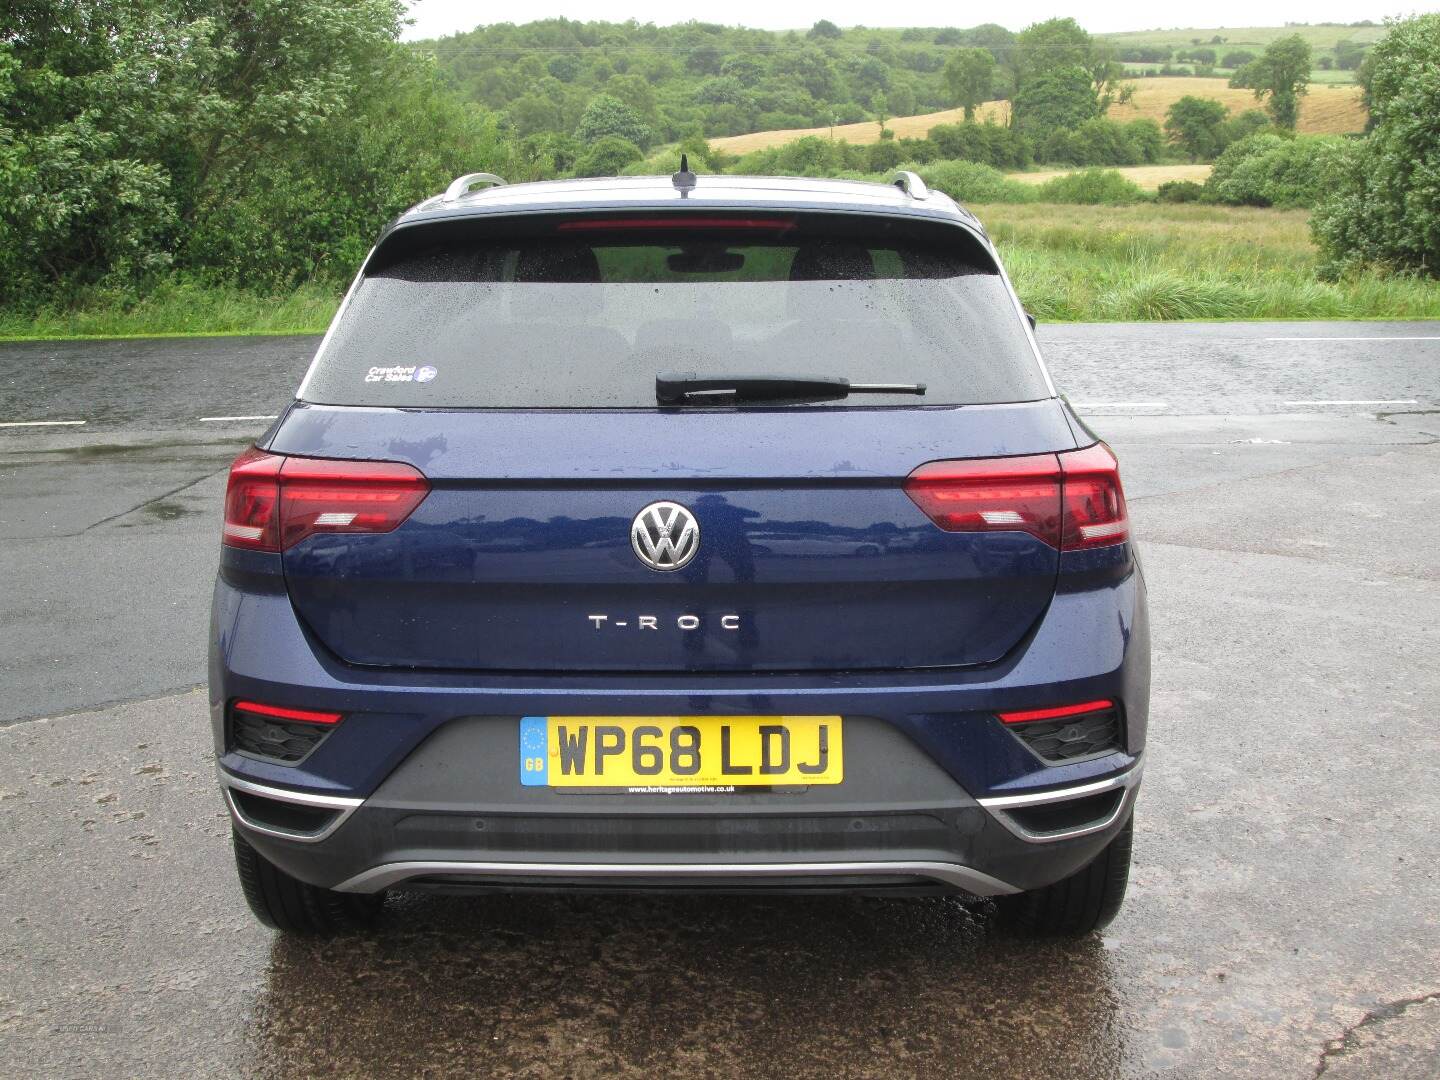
[{"x": 489, "y": 615}]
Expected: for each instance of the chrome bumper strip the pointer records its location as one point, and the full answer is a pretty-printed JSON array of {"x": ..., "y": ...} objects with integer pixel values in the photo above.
[
  {"x": 961, "y": 877},
  {"x": 344, "y": 806},
  {"x": 1128, "y": 780}
]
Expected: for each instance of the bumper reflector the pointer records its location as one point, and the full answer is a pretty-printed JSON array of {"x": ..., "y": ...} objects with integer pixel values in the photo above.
[{"x": 1025, "y": 716}]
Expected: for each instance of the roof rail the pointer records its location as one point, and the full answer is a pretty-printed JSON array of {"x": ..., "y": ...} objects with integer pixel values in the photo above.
[
  {"x": 911, "y": 185},
  {"x": 463, "y": 184}
]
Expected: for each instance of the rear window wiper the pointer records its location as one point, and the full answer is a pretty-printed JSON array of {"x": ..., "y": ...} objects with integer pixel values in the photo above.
[{"x": 674, "y": 388}]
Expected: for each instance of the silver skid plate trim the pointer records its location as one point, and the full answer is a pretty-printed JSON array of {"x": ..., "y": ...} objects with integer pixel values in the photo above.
[{"x": 953, "y": 874}]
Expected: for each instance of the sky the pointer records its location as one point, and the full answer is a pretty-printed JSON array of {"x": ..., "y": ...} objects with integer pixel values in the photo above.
[{"x": 435, "y": 18}]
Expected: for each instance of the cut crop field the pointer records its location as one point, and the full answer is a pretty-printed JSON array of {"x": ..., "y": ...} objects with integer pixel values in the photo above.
[
  {"x": 1148, "y": 177},
  {"x": 862, "y": 134},
  {"x": 1326, "y": 110}
]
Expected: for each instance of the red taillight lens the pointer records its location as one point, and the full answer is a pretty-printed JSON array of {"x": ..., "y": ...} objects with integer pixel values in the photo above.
[
  {"x": 1020, "y": 494},
  {"x": 278, "y": 712},
  {"x": 1070, "y": 501},
  {"x": 318, "y": 496},
  {"x": 1056, "y": 713},
  {"x": 252, "y": 501},
  {"x": 1095, "y": 513},
  {"x": 273, "y": 502}
]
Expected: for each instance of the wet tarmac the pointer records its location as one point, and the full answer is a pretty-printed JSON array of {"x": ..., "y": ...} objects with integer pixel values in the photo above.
[{"x": 1284, "y": 912}]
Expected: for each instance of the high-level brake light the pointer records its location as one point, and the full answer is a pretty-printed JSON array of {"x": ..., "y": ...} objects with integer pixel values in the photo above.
[
  {"x": 683, "y": 222},
  {"x": 1070, "y": 501},
  {"x": 272, "y": 502}
]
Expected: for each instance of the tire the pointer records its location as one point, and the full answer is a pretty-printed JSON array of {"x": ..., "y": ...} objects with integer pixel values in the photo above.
[
  {"x": 294, "y": 907},
  {"x": 1080, "y": 904}
]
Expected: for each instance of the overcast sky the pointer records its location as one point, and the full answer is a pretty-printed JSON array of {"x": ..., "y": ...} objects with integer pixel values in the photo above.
[{"x": 434, "y": 18}]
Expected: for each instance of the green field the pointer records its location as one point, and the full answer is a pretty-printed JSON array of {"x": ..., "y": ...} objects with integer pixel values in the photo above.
[
  {"x": 1255, "y": 38},
  {"x": 1069, "y": 263}
]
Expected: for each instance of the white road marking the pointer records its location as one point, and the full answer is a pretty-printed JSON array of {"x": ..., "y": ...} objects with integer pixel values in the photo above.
[
  {"x": 224, "y": 419},
  {"x": 1382, "y": 338},
  {"x": 43, "y": 423},
  {"x": 1391, "y": 401},
  {"x": 1121, "y": 405}
]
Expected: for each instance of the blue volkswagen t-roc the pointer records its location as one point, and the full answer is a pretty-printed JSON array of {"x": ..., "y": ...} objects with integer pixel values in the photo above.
[{"x": 659, "y": 533}]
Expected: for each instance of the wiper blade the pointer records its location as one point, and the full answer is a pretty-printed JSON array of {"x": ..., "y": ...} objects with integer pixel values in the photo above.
[{"x": 673, "y": 388}]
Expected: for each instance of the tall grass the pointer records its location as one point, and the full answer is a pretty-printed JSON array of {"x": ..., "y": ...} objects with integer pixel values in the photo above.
[{"x": 1165, "y": 261}]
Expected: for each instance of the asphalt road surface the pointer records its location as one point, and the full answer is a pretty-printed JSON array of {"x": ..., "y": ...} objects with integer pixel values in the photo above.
[{"x": 1284, "y": 913}]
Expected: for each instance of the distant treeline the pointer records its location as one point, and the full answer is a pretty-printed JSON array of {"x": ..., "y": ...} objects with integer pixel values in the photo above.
[{"x": 263, "y": 143}]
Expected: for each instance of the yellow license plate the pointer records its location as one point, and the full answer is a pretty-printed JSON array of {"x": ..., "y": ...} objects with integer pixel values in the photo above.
[{"x": 680, "y": 751}]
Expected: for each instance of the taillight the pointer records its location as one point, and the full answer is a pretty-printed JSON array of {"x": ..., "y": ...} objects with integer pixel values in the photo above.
[
  {"x": 252, "y": 501},
  {"x": 1095, "y": 514},
  {"x": 1020, "y": 494},
  {"x": 272, "y": 502},
  {"x": 1070, "y": 501}
]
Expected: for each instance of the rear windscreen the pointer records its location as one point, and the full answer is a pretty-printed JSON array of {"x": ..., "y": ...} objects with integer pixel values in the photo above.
[{"x": 584, "y": 313}]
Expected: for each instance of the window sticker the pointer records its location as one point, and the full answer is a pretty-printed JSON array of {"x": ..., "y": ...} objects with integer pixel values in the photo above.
[{"x": 401, "y": 373}]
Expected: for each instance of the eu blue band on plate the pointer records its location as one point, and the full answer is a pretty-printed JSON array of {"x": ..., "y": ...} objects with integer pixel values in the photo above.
[{"x": 534, "y": 753}]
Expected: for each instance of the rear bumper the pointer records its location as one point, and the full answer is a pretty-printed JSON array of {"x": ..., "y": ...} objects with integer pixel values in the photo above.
[
  {"x": 419, "y": 784},
  {"x": 976, "y": 848}
]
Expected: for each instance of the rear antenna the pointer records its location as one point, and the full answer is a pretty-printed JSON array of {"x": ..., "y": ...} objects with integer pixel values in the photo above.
[{"x": 684, "y": 180}]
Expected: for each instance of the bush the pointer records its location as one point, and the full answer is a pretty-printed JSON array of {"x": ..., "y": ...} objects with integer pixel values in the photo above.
[
  {"x": 988, "y": 143},
  {"x": 1147, "y": 138},
  {"x": 1269, "y": 170},
  {"x": 1250, "y": 122},
  {"x": 607, "y": 115},
  {"x": 972, "y": 182},
  {"x": 1384, "y": 208},
  {"x": 607, "y": 156},
  {"x": 810, "y": 156},
  {"x": 1104, "y": 186},
  {"x": 1180, "y": 191},
  {"x": 884, "y": 155}
]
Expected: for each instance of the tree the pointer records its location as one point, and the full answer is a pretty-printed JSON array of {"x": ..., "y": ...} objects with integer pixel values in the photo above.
[
  {"x": 1348, "y": 55},
  {"x": 1045, "y": 63},
  {"x": 969, "y": 74},
  {"x": 1279, "y": 78},
  {"x": 1053, "y": 44},
  {"x": 1105, "y": 74},
  {"x": 607, "y": 115},
  {"x": 1237, "y": 59},
  {"x": 1383, "y": 210},
  {"x": 1193, "y": 124},
  {"x": 1062, "y": 98},
  {"x": 137, "y": 136},
  {"x": 825, "y": 30}
]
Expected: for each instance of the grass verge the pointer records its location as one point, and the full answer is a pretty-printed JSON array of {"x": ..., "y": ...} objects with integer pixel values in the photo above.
[
  {"x": 177, "y": 308},
  {"x": 1142, "y": 262}
]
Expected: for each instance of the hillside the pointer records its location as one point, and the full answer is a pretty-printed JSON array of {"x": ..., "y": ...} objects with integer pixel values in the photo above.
[
  {"x": 1326, "y": 110},
  {"x": 1319, "y": 36}
]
